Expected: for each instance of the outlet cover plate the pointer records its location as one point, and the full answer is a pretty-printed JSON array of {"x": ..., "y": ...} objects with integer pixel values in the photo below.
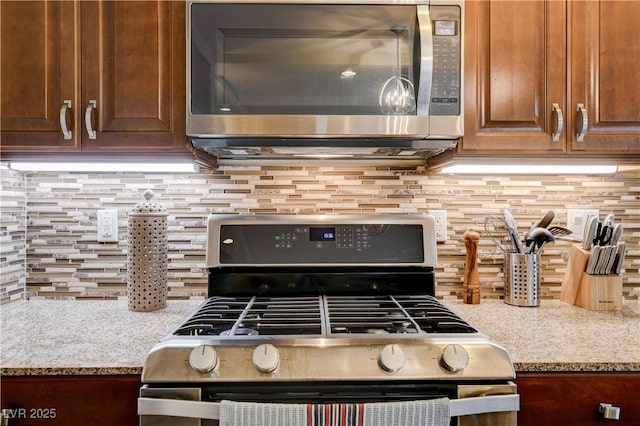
[
  {"x": 107, "y": 226},
  {"x": 440, "y": 217}
]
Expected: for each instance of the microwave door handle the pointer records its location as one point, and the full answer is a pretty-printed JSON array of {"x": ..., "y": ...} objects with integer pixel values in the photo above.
[
  {"x": 211, "y": 410},
  {"x": 425, "y": 72}
]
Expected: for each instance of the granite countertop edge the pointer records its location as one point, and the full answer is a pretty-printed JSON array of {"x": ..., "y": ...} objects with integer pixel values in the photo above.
[
  {"x": 70, "y": 371},
  {"x": 541, "y": 367},
  {"x": 577, "y": 367}
]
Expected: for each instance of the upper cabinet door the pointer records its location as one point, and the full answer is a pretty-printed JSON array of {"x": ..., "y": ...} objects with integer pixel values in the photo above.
[
  {"x": 39, "y": 76},
  {"x": 605, "y": 76},
  {"x": 515, "y": 73},
  {"x": 133, "y": 76}
]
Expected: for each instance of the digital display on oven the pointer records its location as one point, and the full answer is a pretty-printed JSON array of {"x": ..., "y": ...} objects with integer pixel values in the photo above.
[{"x": 322, "y": 234}]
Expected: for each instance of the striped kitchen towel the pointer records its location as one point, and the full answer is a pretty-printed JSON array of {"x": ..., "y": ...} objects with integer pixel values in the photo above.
[
  {"x": 261, "y": 414},
  {"x": 433, "y": 412}
]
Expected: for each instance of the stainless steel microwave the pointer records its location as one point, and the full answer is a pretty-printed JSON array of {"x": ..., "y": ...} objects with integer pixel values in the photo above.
[{"x": 285, "y": 78}]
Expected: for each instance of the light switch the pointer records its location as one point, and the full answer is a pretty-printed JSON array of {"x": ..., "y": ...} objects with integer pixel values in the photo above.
[
  {"x": 107, "y": 226},
  {"x": 577, "y": 219}
]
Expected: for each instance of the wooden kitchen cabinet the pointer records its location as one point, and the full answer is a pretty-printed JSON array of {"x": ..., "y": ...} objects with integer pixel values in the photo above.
[
  {"x": 119, "y": 64},
  {"x": 38, "y": 65},
  {"x": 71, "y": 400},
  {"x": 510, "y": 84},
  {"x": 529, "y": 64},
  {"x": 605, "y": 59},
  {"x": 572, "y": 399}
]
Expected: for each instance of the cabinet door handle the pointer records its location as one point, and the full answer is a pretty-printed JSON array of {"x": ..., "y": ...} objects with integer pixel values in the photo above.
[
  {"x": 581, "y": 123},
  {"x": 557, "y": 112},
  {"x": 87, "y": 119},
  {"x": 609, "y": 412},
  {"x": 66, "y": 133}
]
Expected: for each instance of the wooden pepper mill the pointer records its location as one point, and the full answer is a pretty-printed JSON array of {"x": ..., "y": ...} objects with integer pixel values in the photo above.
[{"x": 471, "y": 285}]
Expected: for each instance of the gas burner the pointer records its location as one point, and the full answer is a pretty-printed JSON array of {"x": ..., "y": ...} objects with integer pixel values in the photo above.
[
  {"x": 240, "y": 331},
  {"x": 376, "y": 331}
]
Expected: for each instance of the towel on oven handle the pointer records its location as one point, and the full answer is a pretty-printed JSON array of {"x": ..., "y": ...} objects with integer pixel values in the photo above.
[{"x": 434, "y": 412}]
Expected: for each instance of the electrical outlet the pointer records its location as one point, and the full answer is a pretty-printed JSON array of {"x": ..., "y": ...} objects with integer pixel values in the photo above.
[
  {"x": 440, "y": 220},
  {"x": 577, "y": 218},
  {"x": 107, "y": 226}
]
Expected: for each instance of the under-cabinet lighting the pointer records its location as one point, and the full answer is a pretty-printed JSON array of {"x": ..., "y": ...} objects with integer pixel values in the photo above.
[
  {"x": 323, "y": 156},
  {"x": 181, "y": 167},
  {"x": 555, "y": 169}
]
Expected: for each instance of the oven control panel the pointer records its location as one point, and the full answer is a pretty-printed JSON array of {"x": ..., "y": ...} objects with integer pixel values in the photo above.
[
  {"x": 266, "y": 358},
  {"x": 317, "y": 243},
  {"x": 339, "y": 237},
  {"x": 278, "y": 361}
]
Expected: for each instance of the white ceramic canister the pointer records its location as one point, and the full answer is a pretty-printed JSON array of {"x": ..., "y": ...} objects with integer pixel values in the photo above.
[{"x": 147, "y": 256}]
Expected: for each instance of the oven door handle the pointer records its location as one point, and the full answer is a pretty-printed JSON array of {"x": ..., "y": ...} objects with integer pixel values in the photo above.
[
  {"x": 178, "y": 408},
  {"x": 211, "y": 410},
  {"x": 484, "y": 404}
]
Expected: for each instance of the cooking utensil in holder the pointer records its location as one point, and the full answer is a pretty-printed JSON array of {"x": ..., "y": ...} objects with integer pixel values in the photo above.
[
  {"x": 522, "y": 279},
  {"x": 147, "y": 256}
]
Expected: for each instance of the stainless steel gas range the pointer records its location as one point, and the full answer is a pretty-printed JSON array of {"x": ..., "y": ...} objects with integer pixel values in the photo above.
[{"x": 324, "y": 311}]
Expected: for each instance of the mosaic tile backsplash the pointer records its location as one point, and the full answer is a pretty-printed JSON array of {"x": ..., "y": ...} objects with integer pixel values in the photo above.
[
  {"x": 13, "y": 235},
  {"x": 54, "y": 215}
]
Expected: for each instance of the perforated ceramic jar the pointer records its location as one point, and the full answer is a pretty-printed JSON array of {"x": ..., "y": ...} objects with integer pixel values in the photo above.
[{"x": 147, "y": 256}]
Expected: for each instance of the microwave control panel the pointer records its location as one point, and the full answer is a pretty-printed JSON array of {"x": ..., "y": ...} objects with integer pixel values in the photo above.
[{"x": 447, "y": 52}]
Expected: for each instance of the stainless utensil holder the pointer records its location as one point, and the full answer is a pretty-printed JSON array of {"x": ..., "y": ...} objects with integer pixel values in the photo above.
[
  {"x": 522, "y": 279},
  {"x": 147, "y": 256}
]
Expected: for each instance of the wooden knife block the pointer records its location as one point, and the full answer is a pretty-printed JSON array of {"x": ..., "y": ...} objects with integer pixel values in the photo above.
[{"x": 592, "y": 292}]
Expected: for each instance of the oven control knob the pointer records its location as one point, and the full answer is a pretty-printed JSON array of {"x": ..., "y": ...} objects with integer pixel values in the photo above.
[
  {"x": 203, "y": 358},
  {"x": 266, "y": 358},
  {"x": 391, "y": 358},
  {"x": 454, "y": 358}
]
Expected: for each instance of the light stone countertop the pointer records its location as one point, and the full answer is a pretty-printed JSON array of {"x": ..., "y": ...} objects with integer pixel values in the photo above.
[
  {"x": 60, "y": 337},
  {"x": 41, "y": 337},
  {"x": 556, "y": 336}
]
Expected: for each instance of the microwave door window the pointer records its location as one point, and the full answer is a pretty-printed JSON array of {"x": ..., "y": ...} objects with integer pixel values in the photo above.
[{"x": 301, "y": 59}]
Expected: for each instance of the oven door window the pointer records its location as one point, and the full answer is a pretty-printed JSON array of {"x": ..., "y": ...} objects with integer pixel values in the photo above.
[{"x": 300, "y": 59}]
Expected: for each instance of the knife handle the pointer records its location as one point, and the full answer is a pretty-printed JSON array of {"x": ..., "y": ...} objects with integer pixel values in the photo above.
[
  {"x": 589, "y": 234},
  {"x": 616, "y": 234},
  {"x": 593, "y": 260},
  {"x": 620, "y": 256}
]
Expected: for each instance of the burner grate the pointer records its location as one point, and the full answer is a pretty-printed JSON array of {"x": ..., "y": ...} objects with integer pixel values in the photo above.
[
  {"x": 255, "y": 316},
  {"x": 323, "y": 315},
  {"x": 213, "y": 317},
  {"x": 393, "y": 315}
]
